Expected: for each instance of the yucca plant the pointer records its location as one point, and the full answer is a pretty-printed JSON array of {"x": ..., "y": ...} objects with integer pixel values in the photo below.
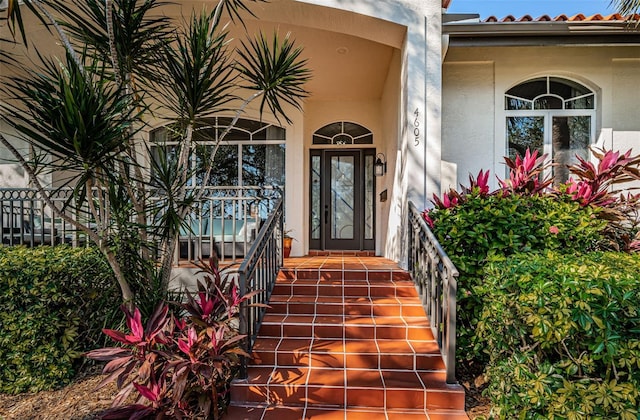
[{"x": 123, "y": 61}]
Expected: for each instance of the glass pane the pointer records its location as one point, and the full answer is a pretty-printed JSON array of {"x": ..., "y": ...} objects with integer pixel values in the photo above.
[
  {"x": 250, "y": 125},
  {"x": 321, "y": 140},
  {"x": 566, "y": 88},
  {"x": 570, "y": 137},
  {"x": 368, "y": 197},
  {"x": 366, "y": 139},
  {"x": 355, "y": 130},
  {"x": 585, "y": 102},
  {"x": 525, "y": 133},
  {"x": 315, "y": 197},
  {"x": 225, "y": 166},
  {"x": 235, "y": 135},
  {"x": 529, "y": 90},
  {"x": 512, "y": 103},
  {"x": 263, "y": 165},
  {"x": 330, "y": 130},
  {"x": 342, "y": 197},
  {"x": 548, "y": 102},
  {"x": 203, "y": 134}
]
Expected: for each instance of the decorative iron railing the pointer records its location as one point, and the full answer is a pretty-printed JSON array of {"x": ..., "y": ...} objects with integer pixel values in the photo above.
[
  {"x": 27, "y": 219},
  {"x": 229, "y": 217},
  {"x": 258, "y": 272},
  {"x": 226, "y": 217},
  {"x": 436, "y": 279}
]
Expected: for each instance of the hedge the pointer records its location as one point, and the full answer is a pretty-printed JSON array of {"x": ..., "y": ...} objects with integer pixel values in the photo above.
[
  {"x": 562, "y": 335},
  {"x": 54, "y": 301},
  {"x": 488, "y": 229}
]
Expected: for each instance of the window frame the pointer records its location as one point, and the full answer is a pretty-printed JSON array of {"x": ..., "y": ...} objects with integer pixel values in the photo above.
[
  {"x": 549, "y": 114},
  {"x": 193, "y": 181}
]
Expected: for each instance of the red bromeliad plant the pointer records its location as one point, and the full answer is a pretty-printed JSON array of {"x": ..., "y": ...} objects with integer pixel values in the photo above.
[
  {"x": 526, "y": 175},
  {"x": 594, "y": 185},
  {"x": 477, "y": 186},
  {"x": 180, "y": 367},
  {"x": 597, "y": 185}
]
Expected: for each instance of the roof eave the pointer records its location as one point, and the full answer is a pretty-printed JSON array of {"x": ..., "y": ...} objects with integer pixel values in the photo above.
[{"x": 523, "y": 33}]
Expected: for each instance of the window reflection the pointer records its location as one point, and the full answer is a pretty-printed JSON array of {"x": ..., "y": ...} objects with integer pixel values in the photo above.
[{"x": 256, "y": 147}]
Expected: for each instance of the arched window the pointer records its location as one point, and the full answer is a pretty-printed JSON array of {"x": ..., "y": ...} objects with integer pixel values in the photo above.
[
  {"x": 552, "y": 115},
  {"x": 250, "y": 154},
  {"x": 343, "y": 133}
]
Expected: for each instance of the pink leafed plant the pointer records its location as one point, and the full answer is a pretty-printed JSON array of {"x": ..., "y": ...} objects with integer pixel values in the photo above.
[{"x": 179, "y": 366}]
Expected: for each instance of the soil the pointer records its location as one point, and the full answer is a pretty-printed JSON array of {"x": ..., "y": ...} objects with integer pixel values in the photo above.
[
  {"x": 81, "y": 401},
  {"x": 78, "y": 401},
  {"x": 471, "y": 378}
]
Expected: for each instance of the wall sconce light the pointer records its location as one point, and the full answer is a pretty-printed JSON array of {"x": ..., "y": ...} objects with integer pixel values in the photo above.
[{"x": 380, "y": 167}]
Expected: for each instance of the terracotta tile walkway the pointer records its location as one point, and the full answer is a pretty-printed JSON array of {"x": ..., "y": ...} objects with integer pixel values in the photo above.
[{"x": 345, "y": 338}]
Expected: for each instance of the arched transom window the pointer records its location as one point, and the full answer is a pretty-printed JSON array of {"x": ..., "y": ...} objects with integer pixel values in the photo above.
[
  {"x": 553, "y": 115},
  {"x": 343, "y": 133}
]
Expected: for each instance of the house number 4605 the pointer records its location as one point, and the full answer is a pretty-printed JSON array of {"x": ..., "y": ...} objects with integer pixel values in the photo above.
[{"x": 416, "y": 126}]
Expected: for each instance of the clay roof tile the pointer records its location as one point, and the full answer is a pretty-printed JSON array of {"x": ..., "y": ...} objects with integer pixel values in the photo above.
[
  {"x": 597, "y": 16},
  {"x": 564, "y": 18}
]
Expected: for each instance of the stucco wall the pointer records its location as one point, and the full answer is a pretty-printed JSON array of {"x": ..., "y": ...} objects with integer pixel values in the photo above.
[{"x": 475, "y": 79}]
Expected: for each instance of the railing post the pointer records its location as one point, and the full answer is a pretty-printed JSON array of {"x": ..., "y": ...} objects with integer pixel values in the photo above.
[
  {"x": 452, "y": 325},
  {"x": 244, "y": 323}
]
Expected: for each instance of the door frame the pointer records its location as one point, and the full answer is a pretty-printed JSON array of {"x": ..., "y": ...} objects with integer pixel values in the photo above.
[{"x": 360, "y": 242}]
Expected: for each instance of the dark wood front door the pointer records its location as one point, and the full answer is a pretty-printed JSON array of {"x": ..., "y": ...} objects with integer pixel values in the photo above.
[{"x": 342, "y": 199}]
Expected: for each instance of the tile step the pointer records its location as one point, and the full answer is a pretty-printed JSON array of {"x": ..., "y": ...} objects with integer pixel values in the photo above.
[
  {"x": 283, "y": 412},
  {"x": 345, "y": 338},
  {"x": 350, "y": 388}
]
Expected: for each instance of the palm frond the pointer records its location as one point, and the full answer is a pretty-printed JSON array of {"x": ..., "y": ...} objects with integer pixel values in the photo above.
[
  {"x": 234, "y": 8},
  {"x": 276, "y": 70},
  {"x": 169, "y": 201},
  {"x": 626, "y": 7},
  {"x": 14, "y": 16},
  {"x": 82, "y": 122},
  {"x": 138, "y": 30},
  {"x": 194, "y": 75}
]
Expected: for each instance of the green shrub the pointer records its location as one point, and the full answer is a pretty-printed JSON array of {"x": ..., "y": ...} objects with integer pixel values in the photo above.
[
  {"x": 562, "y": 333},
  {"x": 486, "y": 229},
  {"x": 54, "y": 301}
]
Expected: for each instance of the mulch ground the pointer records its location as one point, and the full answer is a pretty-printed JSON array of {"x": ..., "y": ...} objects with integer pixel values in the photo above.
[{"x": 77, "y": 401}]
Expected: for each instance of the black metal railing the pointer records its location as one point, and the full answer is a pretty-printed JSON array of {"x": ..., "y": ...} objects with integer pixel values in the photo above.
[
  {"x": 258, "y": 272},
  {"x": 436, "y": 279},
  {"x": 27, "y": 219},
  {"x": 229, "y": 217}
]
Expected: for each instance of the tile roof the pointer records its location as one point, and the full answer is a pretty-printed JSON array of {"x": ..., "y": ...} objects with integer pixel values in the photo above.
[{"x": 615, "y": 17}]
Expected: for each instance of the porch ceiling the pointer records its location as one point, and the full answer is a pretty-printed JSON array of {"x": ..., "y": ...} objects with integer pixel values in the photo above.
[{"x": 349, "y": 54}]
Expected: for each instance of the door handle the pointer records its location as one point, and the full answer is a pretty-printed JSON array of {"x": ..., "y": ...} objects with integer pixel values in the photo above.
[{"x": 326, "y": 214}]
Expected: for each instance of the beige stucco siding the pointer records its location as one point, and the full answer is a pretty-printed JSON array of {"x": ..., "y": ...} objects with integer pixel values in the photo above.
[
  {"x": 475, "y": 80},
  {"x": 467, "y": 122}
]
